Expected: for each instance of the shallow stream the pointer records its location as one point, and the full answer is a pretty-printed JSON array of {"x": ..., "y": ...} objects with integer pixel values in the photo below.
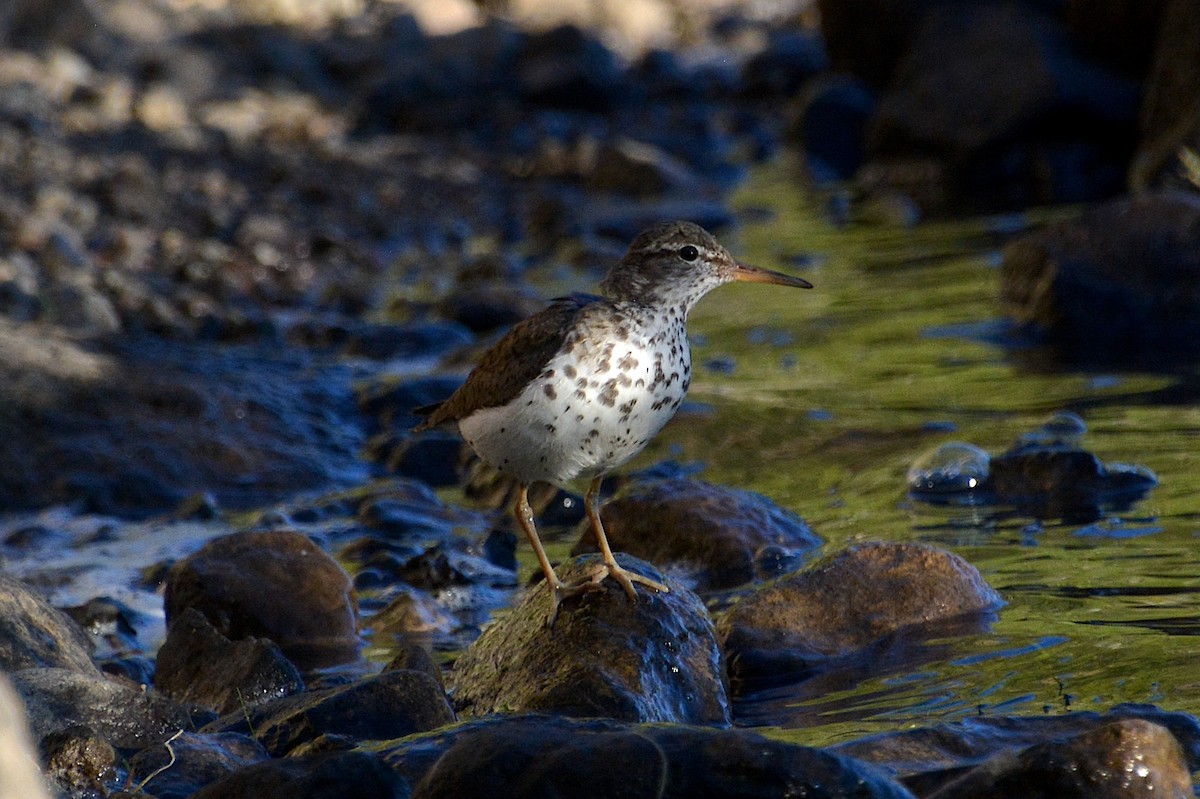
[{"x": 822, "y": 399}]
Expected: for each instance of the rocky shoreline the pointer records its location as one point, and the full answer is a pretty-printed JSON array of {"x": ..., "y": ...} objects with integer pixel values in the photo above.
[{"x": 221, "y": 226}]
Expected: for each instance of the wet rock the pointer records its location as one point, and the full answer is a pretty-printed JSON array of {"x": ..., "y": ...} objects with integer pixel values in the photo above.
[
  {"x": 126, "y": 717},
  {"x": 846, "y": 603},
  {"x": 197, "y": 665},
  {"x": 789, "y": 60},
  {"x": 412, "y": 612},
  {"x": 484, "y": 306},
  {"x": 1170, "y": 119},
  {"x": 994, "y": 96},
  {"x": 651, "y": 660},
  {"x": 133, "y": 427},
  {"x": 33, "y": 634},
  {"x": 707, "y": 536},
  {"x": 1046, "y": 473},
  {"x": 1061, "y": 481},
  {"x": 188, "y": 762},
  {"x": 1120, "y": 284},
  {"x": 112, "y": 625},
  {"x": 392, "y": 404},
  {"x": 568, "y": 68},
  {"x": 277, "y": 585},
  {"x": 385, "y": 342},
  {"x": 19, "y": 772},
  {"x": 78, "y": 762},
  {"x": 868, "y": 37},
  {"x": 1076, "y": 753},
  {"x": 415, "y": 657},
  {"x": 329, "y": 775},
  {"x": 389, "y": 705},
  {"x": 830, "y": 123},
  {"x": 985, "y": 88},
  {"x": 434, "y": 457},
  {"x": 1123, "y": 759},
  {"x": 539, "y": 756},
  {"x": 1119, "y": 33},
  {"x": 638, "y": 169}
]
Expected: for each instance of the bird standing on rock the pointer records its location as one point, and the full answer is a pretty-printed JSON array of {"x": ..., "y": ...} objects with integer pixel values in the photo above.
[{"x": 579, "y": 388}]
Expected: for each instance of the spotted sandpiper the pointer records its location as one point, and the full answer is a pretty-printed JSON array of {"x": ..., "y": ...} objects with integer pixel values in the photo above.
[{"x": 580, "y": 387}]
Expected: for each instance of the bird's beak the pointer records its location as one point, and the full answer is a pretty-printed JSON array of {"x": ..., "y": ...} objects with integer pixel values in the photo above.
[{"x": 753, "y": 274}]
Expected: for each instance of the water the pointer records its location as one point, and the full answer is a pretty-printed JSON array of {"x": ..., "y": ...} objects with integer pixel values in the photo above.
[{"x": 822, "y": 399}]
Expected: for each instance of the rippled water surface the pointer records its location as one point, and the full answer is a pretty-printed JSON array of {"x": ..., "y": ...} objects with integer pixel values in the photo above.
[{"x": 822, "y": 399}]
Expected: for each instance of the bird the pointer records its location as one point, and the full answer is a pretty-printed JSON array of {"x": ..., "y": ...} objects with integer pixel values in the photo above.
[{"x": 580, "y": 387}]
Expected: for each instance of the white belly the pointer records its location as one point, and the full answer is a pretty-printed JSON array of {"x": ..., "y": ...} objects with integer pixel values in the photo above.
[{"x": 589, "y": 411}]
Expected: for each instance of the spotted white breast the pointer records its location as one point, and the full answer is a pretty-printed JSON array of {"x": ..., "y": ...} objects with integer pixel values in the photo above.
[{"x": 617, "y": 379}]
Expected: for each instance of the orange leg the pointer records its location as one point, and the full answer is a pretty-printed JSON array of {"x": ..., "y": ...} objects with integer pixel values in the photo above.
[
  {"x": 611, "y": 568},
  {"x": 558, "y": 591}
]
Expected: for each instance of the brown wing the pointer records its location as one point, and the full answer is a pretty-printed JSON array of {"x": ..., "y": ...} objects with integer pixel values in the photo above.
[{"x": 510, "y": 365}]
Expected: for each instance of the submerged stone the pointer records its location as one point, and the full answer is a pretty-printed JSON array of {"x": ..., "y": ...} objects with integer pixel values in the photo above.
[
  {"x": 845, "y": 604},
  {"x": 1045, "y": 473}
]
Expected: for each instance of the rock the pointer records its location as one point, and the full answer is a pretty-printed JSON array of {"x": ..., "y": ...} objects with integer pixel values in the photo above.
[
  {"x": 1170, "y": 117},
  {"x": 78, "y": 762},
  {"x": 789, "y": 60},
  {"x": 188, "y": 762},
  {"x": 868, "y": 37},
  {"x": 651, "y": 660},
  {"x": 1122, "y": 760},
  {"x": 389, "y": 705},
  {"x": 929, "y": 757},
  {"x": 830, "y": 124},
  {"x": 433, "y": 457},
  {"x": 33, "y": 634},
  {"x": 1120, "y": 284},
  {"x": 58, "y": 699},
  {"x": 710, "y": 537},
  {"x": 846, "y": 603},
  {"x": 1066, "y": 482},
  {"x": 329, "y": 775},
  {"x": 567, "y": 67},
  {"x": 414, "y": 657},
  {"x": 1118, "y": 33},
  {"x": 197, "y": 665},
  {"x": 387, "y": 342},
  {"x": 19, "y": 773},
  {"x": 487, "y": 305},
  {"x": 638, "y": 169},
  {"x": 135, "y": 425},
  {"x": 392, "y": 404},
  {"x": 1046, "y": 473},
  {"x": 277, "y": 585},
  {"x": 538, "y": 756},
  {"x": 996, "y": 97}
]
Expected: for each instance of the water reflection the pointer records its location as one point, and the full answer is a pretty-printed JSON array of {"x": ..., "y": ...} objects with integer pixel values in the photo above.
[{"x": 899, "y": 352}]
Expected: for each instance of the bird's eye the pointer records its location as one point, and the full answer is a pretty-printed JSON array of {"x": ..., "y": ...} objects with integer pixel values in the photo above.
[{"x": 688, "y": 253}]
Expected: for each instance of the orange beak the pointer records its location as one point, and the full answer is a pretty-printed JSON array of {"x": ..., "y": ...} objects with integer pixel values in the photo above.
[{"x": 753, "y": 274}]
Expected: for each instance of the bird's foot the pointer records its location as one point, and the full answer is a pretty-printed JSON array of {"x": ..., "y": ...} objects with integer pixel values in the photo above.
[
  {"x": 562, "y": 592},
  {"x": 626, "y": 578}
]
